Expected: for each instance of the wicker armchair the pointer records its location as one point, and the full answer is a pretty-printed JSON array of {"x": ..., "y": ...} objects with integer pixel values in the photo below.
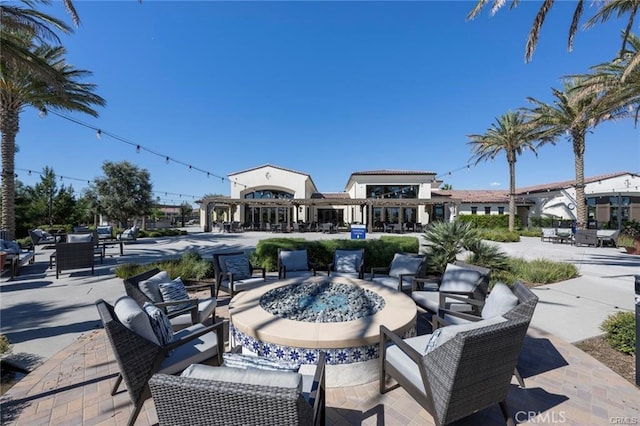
[
  {"x": 74, "y": 256},
  {"x": 139, "y": 358},
  {"x": 347, "y": 262},
  {"x": 467, "y": 373},
  {"x": 240, "y": 397},
  {"x": 199, "y": 311},
  {"x": 233, "y": 282}
]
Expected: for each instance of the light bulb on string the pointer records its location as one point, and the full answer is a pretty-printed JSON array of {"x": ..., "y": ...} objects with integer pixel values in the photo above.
[
  {"x": 167, "y": 160},
  {"x": 99, "y": 134},
  {"x": 42, "y": 113},
  {"x": 137, "y": 149}
]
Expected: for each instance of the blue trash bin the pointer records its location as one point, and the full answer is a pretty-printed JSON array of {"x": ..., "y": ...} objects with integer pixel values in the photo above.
[{"x": 358, "y": 232}]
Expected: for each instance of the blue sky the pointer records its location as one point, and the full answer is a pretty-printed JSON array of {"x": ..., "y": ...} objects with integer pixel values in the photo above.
[{"x": 324, "y": 88}]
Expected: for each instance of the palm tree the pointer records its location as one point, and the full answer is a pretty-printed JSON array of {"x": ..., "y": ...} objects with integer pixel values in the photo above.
[
  {"x": 607, "y": 9},
  {"x": 572, "y": 113},
  {"x": 19, "y": 22},
  {"x": 21, "y": 87},
  {"x": 511, "y": 134},
  {"x": 618, "y": 81}
]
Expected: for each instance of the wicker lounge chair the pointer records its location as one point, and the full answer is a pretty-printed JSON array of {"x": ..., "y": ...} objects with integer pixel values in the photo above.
[
  {"x": 347, "y": 262},
  {"x": 400, "y": 274},
  {"x": 74, "y": 256},
  {"x": 198, "y": 312},
  {"x": 241, "y": 276},
  {"x": 294, "y": 263},
  {"x": 234, "y": 396},
  {"x": 461, "y": 279},
  {"x": 139, "y": 358},
  {"x": 469, "y": 371},
  {"x": 586, "y": 237}
]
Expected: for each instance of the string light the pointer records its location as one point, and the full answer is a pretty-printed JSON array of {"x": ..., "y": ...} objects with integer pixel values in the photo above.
[{"x": 100, "y": 132}]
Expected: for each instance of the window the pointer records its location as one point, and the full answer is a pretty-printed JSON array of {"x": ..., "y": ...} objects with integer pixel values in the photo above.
[
  {"x": 392, "y": 191},
  {"x": 487, "y": 210},
  {"x": 501, "y": 210},
  {"x": 474, "y": 210}
]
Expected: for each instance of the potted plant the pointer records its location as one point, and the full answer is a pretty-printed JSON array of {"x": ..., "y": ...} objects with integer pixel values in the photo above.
[{"x": 629, "y": 237}]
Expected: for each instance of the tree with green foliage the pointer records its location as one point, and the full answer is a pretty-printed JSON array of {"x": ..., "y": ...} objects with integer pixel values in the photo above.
[
  {"x": 446, "y": 187},
  {"x": 572, "y": 114},
  {"x": 45, "y": 192},
  {"x": 607, "y": 9},
  {"x": 511, "y": 134},
  {"x": 125, "y": 192},
  {"x": 186, "y": 210},
  {"x": 445, "y": 240},
  {"x": 20, "y": 88}
]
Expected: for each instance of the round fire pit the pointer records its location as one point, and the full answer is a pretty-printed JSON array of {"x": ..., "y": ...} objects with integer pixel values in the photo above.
[{"x": 293, "y": 320}]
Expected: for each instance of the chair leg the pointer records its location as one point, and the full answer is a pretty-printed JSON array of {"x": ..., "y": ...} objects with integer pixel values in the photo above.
[
  {"x": 116, "y": 385},
  {"x": 519, "y": 378},
  {"x": 134, "y": 413},
  {"x": 505, "y": 413}
]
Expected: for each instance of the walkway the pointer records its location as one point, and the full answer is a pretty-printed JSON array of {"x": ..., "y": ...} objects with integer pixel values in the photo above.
[{"x": 564, "y": 385}]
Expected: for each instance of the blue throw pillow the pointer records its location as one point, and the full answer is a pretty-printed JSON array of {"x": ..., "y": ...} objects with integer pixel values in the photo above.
[
  {"x": 174, "y": 291},
  {"x": 160, "y": 323}
]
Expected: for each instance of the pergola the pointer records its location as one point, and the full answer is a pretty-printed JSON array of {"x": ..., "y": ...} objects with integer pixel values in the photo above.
[{"x": 370, "y": 203}]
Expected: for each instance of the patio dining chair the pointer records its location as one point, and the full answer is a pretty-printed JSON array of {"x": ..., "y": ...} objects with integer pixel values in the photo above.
[
  {"x": 234, "y": 272},
  {"x": 140, "y": 353},
  {"x": 459, "y": 369},
  {"x": 145, "y": 288}
]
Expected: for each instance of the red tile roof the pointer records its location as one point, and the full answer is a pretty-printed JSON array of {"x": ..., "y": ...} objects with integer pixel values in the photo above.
[
  {"x": 336, "y": 195},
  {"x": 567, "y": 183},
  {"x": 392, "y": 172}
]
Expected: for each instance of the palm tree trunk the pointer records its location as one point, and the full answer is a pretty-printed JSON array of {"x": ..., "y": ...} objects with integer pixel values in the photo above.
[
  {"x": 578, "y": 137},
  {"x": 512, "y": 195},
  {"x": 9, "y": 128}
]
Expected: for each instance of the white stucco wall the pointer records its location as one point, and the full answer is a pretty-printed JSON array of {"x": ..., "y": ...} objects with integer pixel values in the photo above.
[{"x": 269, "y": 177}]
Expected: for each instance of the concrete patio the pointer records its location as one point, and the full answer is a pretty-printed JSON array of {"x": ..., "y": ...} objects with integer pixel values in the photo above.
[{"x": 55, "y": 322}]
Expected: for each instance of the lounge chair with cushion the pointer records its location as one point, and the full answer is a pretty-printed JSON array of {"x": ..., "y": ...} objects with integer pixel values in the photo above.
[
  {"x": 460, "y": 369},
  {"x": 40, "y": 237},
  {"x": 182, "y": 311},
  {"x": 500, "y": 300},
  {"x": 586, "y": 237},
  {"x": 294, "y": 263},
  {"x": 460, "y": 279},
  {"x": 237, "y": 396},
  {"x": 400, "y": 274},
  {"x": 234, "y": 272},
  {"x": 75, "y": 255},
  {"x": 347, "y": 262},
  {"x": 130, "y": 234},
  {"x": 143, "y": 346}
]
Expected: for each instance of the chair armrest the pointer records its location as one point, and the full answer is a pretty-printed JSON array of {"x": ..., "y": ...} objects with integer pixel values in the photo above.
[
  {"x": 386, "y": 334},
  {"x": 463, "y": 297},
  {"x": 317, "y": 394},
  {"x": 210, "y": 286},
  {"x": 193, "y": 309},
  {"x": 419, "y": 282},
  {"x": 217, "y": 328},
  {"x": 262, "y": 272},
  {"x": 438, "y": 320},
  {"x": 379, "y": 269},
  {"x": 403, "y": 278}
]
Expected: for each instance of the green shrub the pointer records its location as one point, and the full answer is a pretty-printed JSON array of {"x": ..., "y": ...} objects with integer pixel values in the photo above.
[
  {"x": 5, "y": 345},
  {"x": 488, "y": 220},
  {"x": 530, "y": 232},
  {"x": 502, "y": 235},
  {"x": 189, "y": 266},
  {"x": 620, "y": 329},
  {"x": 378, "y": 253},
  {"x": 445, "y": 240},
  {"x": 537, "y": 271}
]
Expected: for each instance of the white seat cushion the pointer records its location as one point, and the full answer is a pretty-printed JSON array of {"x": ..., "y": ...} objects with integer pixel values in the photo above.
[
  {"x": 444, "y": 334},
  {"x": 150, "y": 286},
  {"x": 500, "y": 301},
  {"x": 459, "y": 279},
  {"x": 393, "y": 282},
  {"x": 405, "y": 365},
  {"x": 280, "y": 379},
  {"x": 404, "y": 264},
  {"x": 430, "y": 300},
  {"x": 134, "y": 318}
]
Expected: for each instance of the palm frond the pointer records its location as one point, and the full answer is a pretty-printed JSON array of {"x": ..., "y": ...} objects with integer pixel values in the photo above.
[{"x": 534, "y": 33}]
